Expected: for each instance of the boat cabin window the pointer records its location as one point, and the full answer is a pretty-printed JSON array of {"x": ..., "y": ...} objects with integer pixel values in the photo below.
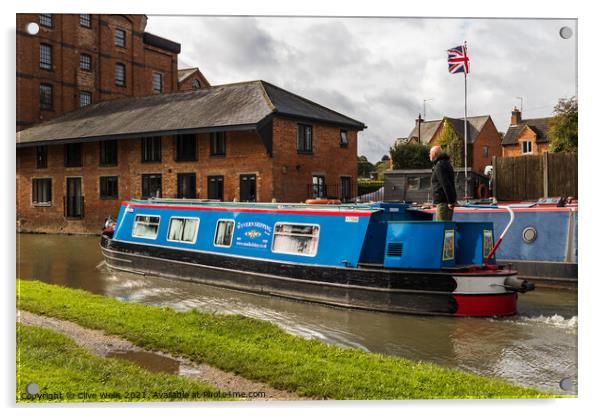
[
  {"x": 299, "y": 239},
  {"x": 223, "y": 233},
  {"x": 146, "y": 226},
  {"x": 183, "y": 229}
]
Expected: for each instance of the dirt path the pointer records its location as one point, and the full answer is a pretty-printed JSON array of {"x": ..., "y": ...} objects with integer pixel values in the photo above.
[{"x": 101, "y": 344}]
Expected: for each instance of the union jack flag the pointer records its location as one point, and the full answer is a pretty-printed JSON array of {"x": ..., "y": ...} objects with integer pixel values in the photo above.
[{"x": 457, "y": 60}]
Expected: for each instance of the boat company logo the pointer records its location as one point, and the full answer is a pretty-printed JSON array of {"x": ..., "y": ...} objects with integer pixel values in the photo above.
[
  {"x": 257, "y": 234},
  {"x": 252, "y": 234}
]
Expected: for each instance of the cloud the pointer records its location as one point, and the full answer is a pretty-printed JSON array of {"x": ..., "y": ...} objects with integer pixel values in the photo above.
[{"x": 379, "y": 70}]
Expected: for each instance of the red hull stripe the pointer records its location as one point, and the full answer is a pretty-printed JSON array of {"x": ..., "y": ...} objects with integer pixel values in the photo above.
[
  {"x": 503, "y": 211},
  {"x": 486, "y": 305},
  {"x": 259, "y": 210}
]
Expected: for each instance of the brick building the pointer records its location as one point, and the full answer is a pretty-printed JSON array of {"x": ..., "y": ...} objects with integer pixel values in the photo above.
[
  {"x": 191, "y": 79},
  {"x": 249, "y": 141},
  {"x": 484, "y": 141},
  {"x": 80, "y": 59},
  {"x": 526, "y": 137}
]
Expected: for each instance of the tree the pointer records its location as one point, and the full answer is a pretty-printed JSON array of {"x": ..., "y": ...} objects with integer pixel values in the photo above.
[
  {"x": 453, "y": 145},
  {"x": 364, "y": 167},
  {"x": 563, "y": 133},
  {"x": 410, "y": 156}
]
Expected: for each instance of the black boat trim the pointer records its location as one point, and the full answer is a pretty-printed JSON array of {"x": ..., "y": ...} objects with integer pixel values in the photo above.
[
  {"x": 419, "y": 281},
  {"x": 271, "y": 276}
]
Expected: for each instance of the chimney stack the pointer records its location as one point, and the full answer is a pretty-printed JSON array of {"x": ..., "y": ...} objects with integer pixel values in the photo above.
[{"x": 516, "y": 117}]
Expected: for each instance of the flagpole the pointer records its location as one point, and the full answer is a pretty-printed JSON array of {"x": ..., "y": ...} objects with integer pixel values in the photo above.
[{"x": 465, "y": 132}]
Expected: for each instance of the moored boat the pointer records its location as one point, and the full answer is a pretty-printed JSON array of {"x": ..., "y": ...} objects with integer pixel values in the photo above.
[{"x": 384, "y": 257}]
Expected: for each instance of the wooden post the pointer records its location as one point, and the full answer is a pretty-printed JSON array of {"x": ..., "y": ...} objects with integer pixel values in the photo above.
[{"x": 545, "y": 174}]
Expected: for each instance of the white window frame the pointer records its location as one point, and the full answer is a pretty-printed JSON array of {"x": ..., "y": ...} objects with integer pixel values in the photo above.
[
  {"x": 196, "y": 231},
  {"x": 141, "y": 236},
  {"x": 295, "y": 223},
  {"x": 522, "y": 145},
  {"x": 216, "y": 228}
]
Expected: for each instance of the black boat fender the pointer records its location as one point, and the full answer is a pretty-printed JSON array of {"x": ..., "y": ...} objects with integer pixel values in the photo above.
[{"x": 515, "y": 284}]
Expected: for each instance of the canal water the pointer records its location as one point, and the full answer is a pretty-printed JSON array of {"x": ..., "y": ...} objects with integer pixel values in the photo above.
[{"x": 538, "y": 347}]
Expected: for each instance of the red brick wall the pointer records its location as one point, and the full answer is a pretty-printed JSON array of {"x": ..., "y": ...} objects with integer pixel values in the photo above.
[
  {"x": 245, "y": 153},
  {"x": 68, "y": 40},
  {"x": 525, "y": 135},
  {"x": 489, "y": 137},
  {"x": 293, "y": 171}
]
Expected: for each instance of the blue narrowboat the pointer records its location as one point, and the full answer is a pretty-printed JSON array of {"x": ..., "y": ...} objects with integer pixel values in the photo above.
[{"x": 382, "y": 256}]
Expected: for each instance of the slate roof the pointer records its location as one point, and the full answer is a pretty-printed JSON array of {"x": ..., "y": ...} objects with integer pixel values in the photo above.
[
  {"x": 429, "y": 128},
  {"x": 540, "y": 126},
  {"x": 240, "y": 106}
]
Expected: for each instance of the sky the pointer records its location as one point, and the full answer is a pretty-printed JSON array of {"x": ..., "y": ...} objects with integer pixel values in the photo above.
[{"x": 379, "y": 70}]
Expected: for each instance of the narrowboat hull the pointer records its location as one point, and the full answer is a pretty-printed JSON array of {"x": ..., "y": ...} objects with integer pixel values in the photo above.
[{"x": 452, "y": 292}]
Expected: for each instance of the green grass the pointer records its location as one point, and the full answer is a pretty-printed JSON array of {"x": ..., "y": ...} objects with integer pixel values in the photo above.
[
  {"x": 261, "y": 351},
  {"x": 65, "y": 372}
]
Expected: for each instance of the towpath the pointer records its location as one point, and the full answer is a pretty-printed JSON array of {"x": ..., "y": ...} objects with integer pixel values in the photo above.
[{"x": 101, "y": 344}]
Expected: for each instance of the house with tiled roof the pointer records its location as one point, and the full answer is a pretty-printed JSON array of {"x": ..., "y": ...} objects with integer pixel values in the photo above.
[
  {"x": 526, "y": 137},
  {"x": 483, "y": 138}
]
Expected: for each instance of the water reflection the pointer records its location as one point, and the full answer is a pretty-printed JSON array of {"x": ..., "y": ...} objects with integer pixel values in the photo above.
[{"x": 537, "y": 348}]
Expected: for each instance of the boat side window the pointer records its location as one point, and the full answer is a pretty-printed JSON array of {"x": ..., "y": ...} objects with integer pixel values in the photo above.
[
  {"x": 223, "y": 233},
  {"x": 183, "y": 230},
  {"x": 299, "y": 239},
  {"x": 146, "y": 226}
]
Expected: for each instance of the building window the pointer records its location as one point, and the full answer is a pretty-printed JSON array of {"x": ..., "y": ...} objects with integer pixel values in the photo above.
[
  {"x": 217, "y": 144},
  {"x": 185, "y": 147},
  {"x": 46, "y": 20},
  {"x": 196, "y": 85},
  {"x": 344, "y": 138},
  {"x": 157, "y": 83},
  {"x": 85, "y": 62},
  {"x": 151, "y": 149},
  {"x": 215, "y": 188},
  {"x": 73, "y": 155},
  {"x": 46, "y": 97},
  {"x": 318, "y": 186},
  {"x": 120, "y": 38},
  {"x": 41, "y": 191},
  {"x": 299, "y": 239},
  {"x": 151, "y": 185},
  {"x": 108, "y": 153},
  {"x": 109, "y": 188},
  {"x": 485, "y": 151},
  {"x": 526, "y": 146},
  {"x": 346, "y": 188},
  {"x": 41, "y": 157},
  {"x": 223, "y": 233},
  {"x": 85, "y": 98},
  {"x": 413, "y": 183},
  {"x": 45, "y": 56},
  {"x": 146, "y": 226},
  {"x": 85, "y": 20},
  {"x": 120, "y": 75},
  {"x": 186, "y": 185},
  {"x": 304, "y": 138},
  {"x": 248, "y": 188}
]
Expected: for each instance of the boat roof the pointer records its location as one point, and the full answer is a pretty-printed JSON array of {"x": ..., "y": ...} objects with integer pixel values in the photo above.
[{"x": 272, "y": 206}]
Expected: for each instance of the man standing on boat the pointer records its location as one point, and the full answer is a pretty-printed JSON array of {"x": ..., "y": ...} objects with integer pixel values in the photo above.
[{"x": 443, "y": 184}]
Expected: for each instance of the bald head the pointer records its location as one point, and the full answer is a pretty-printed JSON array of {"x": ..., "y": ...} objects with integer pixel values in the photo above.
[{"x": 435, "y": 152}]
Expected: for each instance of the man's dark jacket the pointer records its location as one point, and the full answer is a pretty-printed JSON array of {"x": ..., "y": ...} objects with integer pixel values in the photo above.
[{"x": 442, "y": 181}]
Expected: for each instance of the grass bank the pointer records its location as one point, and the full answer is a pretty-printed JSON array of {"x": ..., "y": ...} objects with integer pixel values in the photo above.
[
  {"x": 261, "y": 351},
  {"x": 66, "y": 372}
]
